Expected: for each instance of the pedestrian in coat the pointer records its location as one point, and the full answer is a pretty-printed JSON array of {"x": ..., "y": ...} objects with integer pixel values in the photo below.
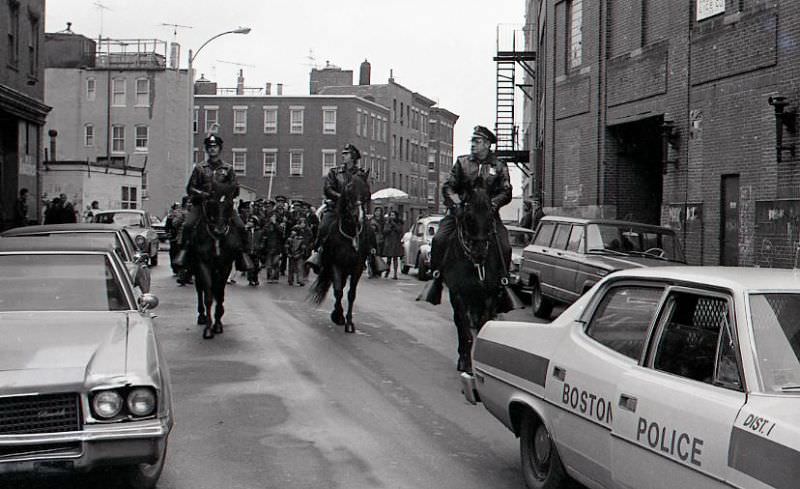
[
  {"x": 392, "y": 245},
  {"x": 21, "y": 208},
  {"x": 273, "y": 248}
]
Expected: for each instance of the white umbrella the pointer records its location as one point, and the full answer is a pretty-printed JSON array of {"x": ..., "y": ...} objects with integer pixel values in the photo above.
[{"x": 389, "y": 193}]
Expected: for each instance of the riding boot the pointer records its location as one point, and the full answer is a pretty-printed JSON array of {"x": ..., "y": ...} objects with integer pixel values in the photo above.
[
  {"x": 315, "y": 260},
  {"x": 182, "y": 257},
  {"x": 244, "y": 263},
  {"x": 432, "y": 292}
]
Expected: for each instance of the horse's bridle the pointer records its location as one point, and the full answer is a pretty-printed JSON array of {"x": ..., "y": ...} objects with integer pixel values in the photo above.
[
  {"x": 359, "y": 226},
  {"x": 468, "y": 251}
]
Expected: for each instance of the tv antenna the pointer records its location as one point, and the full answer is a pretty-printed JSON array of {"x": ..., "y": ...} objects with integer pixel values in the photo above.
[
  {"x": 234, "y": 63},
  {"x": 312, "y": 61},
  {"x": 100, "y": 6},
  {"x": 175, "y": 28}
]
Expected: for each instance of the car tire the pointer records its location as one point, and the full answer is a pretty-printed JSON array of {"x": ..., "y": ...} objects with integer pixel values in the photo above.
[
  {"x": 145, "y": 476},
  {"x": 422, "y": 269},
  {"x": 540, "y": 305},
  {"x": 541, "y": 464}
]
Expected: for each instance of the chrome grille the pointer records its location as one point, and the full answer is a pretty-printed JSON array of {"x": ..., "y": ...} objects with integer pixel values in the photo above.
[{"x": 48, "y": 413}]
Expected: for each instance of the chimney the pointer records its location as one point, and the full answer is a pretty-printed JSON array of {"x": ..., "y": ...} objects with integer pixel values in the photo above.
[
  {"x": 268, "y": 89},
  {"x": 280, "y": 88},
  {"x": 364, "y": 73},
  {"x": 240, "y": 83},
  {"x": 174, "y": 55},
  {"x": 391, "y": 75}
]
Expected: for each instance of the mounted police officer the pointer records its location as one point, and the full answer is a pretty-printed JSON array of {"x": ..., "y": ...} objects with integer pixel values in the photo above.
[
  {"x": 334, "y": 185},
  {"x": 212, "y": 179},
  {"x": 483, "y": 163}
]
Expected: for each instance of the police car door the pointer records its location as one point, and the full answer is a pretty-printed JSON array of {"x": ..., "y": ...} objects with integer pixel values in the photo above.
[
  {"x": 601, "y": 347},
  {"x": 676, "y": 411}
]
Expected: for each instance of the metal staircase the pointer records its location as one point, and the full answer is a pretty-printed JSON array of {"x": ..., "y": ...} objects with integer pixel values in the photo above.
[{"x": 511, "y": 53}]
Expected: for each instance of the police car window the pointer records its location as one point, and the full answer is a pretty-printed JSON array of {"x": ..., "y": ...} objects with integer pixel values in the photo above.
[
  {"x": 623, "y": 318},
  {"x": 575, "y": 239},
  {"x": 561, "y": 237},
  {"x": 776, "y": 335},
  {"x": 696, "y": 331},
  {"x": 545, "y": 234}
]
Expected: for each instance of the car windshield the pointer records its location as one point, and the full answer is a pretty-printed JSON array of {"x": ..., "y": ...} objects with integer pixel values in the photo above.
[
  {"x": 121, "y": 218},
  {"x": 519, "y": 239},
  {"x": 59, "y": 282},
  {"x": 630, "y": 240},
  {"x": 109, "y": 237},
  {"x": 776, "y": 334}
]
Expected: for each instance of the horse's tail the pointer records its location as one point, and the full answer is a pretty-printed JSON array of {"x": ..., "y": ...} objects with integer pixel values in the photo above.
[{"x": 319, "y": 289}]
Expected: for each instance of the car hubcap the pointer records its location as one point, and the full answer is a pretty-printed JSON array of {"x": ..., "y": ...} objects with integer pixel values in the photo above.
[{"x": 541, "y": 451}]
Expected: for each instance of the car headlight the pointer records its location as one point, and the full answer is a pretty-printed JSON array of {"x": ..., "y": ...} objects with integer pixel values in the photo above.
[
  {"x": 141, "y": 402},
  {"x": 107, "y": 404}
]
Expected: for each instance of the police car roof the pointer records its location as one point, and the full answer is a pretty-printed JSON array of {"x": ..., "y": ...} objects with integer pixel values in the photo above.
[
  {"x": 55, "y": 228},
  {"x": 54, "y": 244},
  {"x": 733, "y": 278}
]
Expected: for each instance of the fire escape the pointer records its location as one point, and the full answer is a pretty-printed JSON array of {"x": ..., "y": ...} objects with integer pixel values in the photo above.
[{"x": 511, "y": 53}]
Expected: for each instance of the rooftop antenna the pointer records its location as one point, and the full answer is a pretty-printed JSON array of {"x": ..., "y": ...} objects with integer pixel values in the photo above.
[
  {"x": 312, "y": 61},
  {"x": 100, "y": 6},
  {"x": 235, "y": 63},
  {"x": 175, "y": 29}
]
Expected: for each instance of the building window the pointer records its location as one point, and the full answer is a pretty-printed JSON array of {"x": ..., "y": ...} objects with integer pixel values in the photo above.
[
  {"x": 118, "y": 92},
  {"x": 212, "y": 119},
  {"x": 128, "y": 200},
  {"x": 117, "y": 139},
  {"x": 144, "y": 185},
  {"x": 394, "y": 145},
  {"x": 88, "y": 135},
  {"x": 143, "y": 92},
  {"x": 240, "y": 161},
  {"x": 364, "y": 124},
  {"x": 328, "y": 160},
  {"x": 296, "y": 163},
  {"x": 195, "y": 119},
  {"x": 91, "y": 89},
  {"x": 575, "y": 33},
  {"x": 270, "y": 161},
  {"x": 358, "y": 122},
  {"x": 13, "y": 34},
  {"x": 142, "y": 138},
  {"x": 394, "y": 109},
  {"x": 296, "y": 120},
  {"x": 329, "y": 120},
  {"x": 383, "y": 129},
  {"x": 402, "y": 110},
  {"x": 198, "y": 155},
  {"x": 239, "y": 120},
  {"x": 270, "y": 120},
  {"x": 33, "y": 48}
]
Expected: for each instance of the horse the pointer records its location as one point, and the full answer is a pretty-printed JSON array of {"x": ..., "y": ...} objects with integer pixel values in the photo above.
[
  {"x": 212, "y": 252},
  {"x": 345, "y": 252},
  {"x": 474, "y": 271}
]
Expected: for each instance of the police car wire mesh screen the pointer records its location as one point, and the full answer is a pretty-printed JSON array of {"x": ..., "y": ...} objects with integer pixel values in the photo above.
[
  {"x": 776, "y": 333},
  {"x": 62, "y": 282}
]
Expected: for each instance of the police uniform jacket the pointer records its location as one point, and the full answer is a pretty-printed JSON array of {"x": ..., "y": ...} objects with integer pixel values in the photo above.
[
  {"x": 493, "y": 172},
  {"x": 215, "y": 180},
  {"x": 338, "y": 178}
]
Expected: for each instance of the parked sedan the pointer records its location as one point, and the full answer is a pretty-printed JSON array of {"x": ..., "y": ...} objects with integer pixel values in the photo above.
[
  {"x": 669, "y": 377},
  {"x": 518, "y": 238},
  {"x": 417, "y": 248},
  {"x": 138, "y": 222},
  {"x": 83, "y": 383},
  {"x": 117, "y": 236}
]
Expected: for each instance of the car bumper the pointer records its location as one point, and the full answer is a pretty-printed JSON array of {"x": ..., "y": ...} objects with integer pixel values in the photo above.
[{"x": 94, "y": 446}]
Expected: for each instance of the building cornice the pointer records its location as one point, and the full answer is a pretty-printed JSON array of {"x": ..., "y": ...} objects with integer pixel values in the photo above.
[{"x": 20, "y": 105}]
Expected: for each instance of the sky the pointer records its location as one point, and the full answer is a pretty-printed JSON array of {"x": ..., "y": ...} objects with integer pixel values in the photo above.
[{"x": 442, "y": 49}]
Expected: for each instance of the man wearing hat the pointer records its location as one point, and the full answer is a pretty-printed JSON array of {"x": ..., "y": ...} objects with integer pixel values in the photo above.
[
  {"x": 335, "y": 183},
  {"x": 481, "y": 162},
  {"x": 212, "y": 179}
]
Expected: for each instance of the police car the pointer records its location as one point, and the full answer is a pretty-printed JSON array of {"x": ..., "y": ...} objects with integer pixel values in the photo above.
[{"x": 669, "y": 377}]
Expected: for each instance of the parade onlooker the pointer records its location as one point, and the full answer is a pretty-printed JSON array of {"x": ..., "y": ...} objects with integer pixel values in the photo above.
[
  {"x": 254, "y": 247},
  {"x": 376, "y": 223},
  {"x": 296, "y": 250},
  {"x": 21, "y": 208},
  {"x": 392, "y": 245},
  {"x": 273, "y": 248},
  {"x": 91, "y": 211},
  {"x": 54, "y": 212},
  {"x": 67, "y": 210}
]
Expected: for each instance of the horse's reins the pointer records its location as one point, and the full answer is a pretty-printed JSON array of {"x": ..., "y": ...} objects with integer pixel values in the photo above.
[
  {"x": 479, "y": 267},
  {"x": 359, "y": 228},
  {"x": 212, "y": 233}
]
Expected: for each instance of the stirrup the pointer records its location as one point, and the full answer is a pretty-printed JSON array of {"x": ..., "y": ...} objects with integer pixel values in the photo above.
[{"x": 436, "y": 274}]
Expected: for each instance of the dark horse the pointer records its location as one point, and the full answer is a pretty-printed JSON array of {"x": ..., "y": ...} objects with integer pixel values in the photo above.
[
  {"x": 213, "y": 250},
  {"x": 345, "y": 252},
  {"x": 473, "y": 271}
]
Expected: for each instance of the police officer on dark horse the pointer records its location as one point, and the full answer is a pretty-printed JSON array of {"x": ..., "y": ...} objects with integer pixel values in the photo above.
[
  {"x": 343, "y": 242},
  {"x": 480, "y": 169},
  {"x": 212, "y": 188}
]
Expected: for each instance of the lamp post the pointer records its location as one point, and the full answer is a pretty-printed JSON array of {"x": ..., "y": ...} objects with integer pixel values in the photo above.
[{"x": 192, "y": 56}]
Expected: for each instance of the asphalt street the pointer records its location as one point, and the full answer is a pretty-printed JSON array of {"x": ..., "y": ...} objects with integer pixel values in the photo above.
[{"x": 285, "y": 399}]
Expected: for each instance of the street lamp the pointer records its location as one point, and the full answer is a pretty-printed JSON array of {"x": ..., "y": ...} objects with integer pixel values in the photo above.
[{"x": 238, "y": 30}]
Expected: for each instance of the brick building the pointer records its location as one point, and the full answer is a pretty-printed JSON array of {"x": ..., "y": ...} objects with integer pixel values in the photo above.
[
  {"x": 440, "y": 155},
  {"x": 118, "y": 104},
  {"x": 678, "y": 113},
  {"x": 285, "y": 145},
  {"x": 22, "y": 107}
]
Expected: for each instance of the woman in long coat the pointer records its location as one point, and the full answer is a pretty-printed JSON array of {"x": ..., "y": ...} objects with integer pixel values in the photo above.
[{"x": 392, "y": 246}]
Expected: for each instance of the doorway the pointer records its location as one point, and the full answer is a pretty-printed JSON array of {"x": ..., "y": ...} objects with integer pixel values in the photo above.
[{"x": 729, "y": 220}]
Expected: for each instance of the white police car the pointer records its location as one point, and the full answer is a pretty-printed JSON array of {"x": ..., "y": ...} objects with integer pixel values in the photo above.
[{"x": 669, "y": 377}]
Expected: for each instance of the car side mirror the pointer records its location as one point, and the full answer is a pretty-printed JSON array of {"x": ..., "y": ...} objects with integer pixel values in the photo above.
[{"x": 147, "y": 302}]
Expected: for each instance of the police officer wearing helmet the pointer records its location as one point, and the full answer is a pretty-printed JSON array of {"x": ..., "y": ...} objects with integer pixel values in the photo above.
[
  {"x": 481, "y": 162},
  {"x": 334, "y": 185},
  {"x": 212, "y": 179}
]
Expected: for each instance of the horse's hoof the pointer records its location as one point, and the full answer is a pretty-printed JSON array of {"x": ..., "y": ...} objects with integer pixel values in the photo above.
[
  {"x": 337, "y": 318},
  {"x": 202, "y": 320},
  {"x": 217, "y": 327},
  {"x": 208, "y": 333},
  {"x": 349, "y": 328}
]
